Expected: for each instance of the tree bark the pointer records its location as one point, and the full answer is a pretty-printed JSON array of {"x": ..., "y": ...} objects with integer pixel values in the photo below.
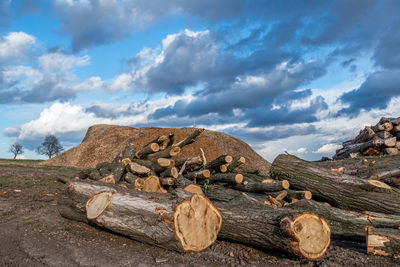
[
  {"x": 262, "y": 187},
  {"x": 304, "y": 234},
  {"x": 384, "y": 242},
  {"x": 214, "y": 166},
  {"x": 167, "y": 153},
  {"x": 190, "y": 139},
  {"x": 343, "y": 191},
  {"x": 347, "y": 224},
  {"x": 181, "y": 222},
  {"x": 129, "y": 152},
  {"x": 147, "y": 149},
  {"x": 238, "y": 161}
]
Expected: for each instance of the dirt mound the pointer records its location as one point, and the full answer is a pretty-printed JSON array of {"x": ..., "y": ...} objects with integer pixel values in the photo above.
[{"x": 104, "y": 142}]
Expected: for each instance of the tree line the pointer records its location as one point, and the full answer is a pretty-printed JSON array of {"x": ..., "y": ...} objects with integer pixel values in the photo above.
[{"x": 50, "y": 147}]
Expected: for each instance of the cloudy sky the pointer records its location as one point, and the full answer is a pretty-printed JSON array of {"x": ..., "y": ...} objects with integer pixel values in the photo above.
[{"x": 301, "y": 76}]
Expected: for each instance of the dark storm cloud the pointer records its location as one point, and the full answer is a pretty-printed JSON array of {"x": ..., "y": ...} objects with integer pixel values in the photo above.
[
  {"x": 375, "y": 92},
  {"x": 261, "y": 117}
]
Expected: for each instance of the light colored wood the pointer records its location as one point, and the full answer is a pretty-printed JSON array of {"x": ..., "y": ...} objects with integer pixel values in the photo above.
[
  {"x": 96, "y": 205},
  {"x": 195, "y": 189},
  {"x": 108, "y": 179},
  {"x": 152, "y": 184}
]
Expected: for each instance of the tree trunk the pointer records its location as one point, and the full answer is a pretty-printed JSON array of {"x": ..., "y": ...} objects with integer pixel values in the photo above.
[
  {"x": 343, "y": 191},
  {"x": 384, "y": 242},
  {"x": 214, "y": 166},
  {"x": 167, "y": 153},
  {"x": 181, "y": 222},
  {"x": 347, "y": 224},
  {"x": 262, "y": 187},
  {"x": 304, "y": 234}
]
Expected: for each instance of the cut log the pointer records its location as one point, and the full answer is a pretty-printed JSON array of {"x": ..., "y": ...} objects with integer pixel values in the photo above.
[
  {"x": 94, "y": 175},
  {"x": 238, "y": 161},
  {"x": 198, "y": 175},
  {"x": 170, "y": 172},
  {"x": 167, "y": 181},
  {"x": 231, "y": 178},
  {"x": 139, "y": 169},
  {"x": 167, "y": 153},
  {"x": 148, "y": 149},
  {"x": 108, "y": 179},
  {"x": 304, "y": 234},
  {"x": 195, "y": 189},
  {"x": 365, "y": 135},
  {"x": 390, "y": 142},
  {"x": 152, "y": 185},
  {"x": 343, "y": 191},
  {"x": 214, "y": 165},
  {"x": 262, "y": 187},
  {"x": 181, "y": 222},
  {"x": 384, "y": 134},
  {"x": 384, "y": 242},
  {"x": 129, "y": 152},
  {"x": 192, "y": 164},
  {"x": 132, "y": 179},
  {"x": 118, "y": 170},
  {"x": 345, "y": 224},
  {"x": 190, "y": 139},
  {"x": 372, "y": 152},
  {"x": 391, "y": 151},
  {"x": 156, "y": 165},
  {"x": 223, "y": 168}
]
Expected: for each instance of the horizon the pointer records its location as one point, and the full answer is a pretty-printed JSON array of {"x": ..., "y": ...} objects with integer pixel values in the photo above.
[{"x": 282, "y": 76}]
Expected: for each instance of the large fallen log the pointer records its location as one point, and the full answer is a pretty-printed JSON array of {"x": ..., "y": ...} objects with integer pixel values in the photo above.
[
  {"x": 343, "y": 191},
  {"x": 347, "y": 224},
  {"x": 304, "y": 234},
  {"x": 181, "y": 221}
]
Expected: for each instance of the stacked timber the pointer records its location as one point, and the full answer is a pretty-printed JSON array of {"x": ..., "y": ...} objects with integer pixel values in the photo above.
[
  {"x": 381, "y": 139},
  {"x": 355, "y": 208},
  {"x": 184, "y": 204}
]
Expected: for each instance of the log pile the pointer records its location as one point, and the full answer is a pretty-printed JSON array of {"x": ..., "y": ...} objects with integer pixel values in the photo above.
[
  {"x": 381, "y": 139},
  {"x": 183, "y": 204}
]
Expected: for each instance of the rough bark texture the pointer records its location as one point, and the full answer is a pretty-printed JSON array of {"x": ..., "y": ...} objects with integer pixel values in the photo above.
[
  {"x": 385, "y": 242},
  {"x": 301, "y": 233},
  {"x": 347, "y": 224},
  {"x": 343, "y": 191},
  {"x": 262, "y": 187},
  {"x": 181, "y": 222}
]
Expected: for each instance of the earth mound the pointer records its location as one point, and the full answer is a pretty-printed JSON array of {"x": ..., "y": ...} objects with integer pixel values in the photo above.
[{"x": 104, "y": 142}]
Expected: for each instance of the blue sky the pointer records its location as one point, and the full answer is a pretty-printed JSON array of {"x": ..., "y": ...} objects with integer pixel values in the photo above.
[{"x": 300, "y": 76}]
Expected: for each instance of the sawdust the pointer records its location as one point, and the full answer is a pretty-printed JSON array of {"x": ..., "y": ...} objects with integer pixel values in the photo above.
[{"x": 104, "y": 142}]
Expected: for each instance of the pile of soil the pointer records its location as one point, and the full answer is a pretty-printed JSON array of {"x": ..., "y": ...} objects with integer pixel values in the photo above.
[{"x": 104, "y": 142}]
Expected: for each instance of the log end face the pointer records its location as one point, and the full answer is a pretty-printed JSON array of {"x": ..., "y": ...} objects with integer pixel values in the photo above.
[
  {"x": 195, "y": 189},
  {"x": 313, "y": 235},
  {"x": 307, "y": 195},
  {"x": 239, "y": 178},
  {"x": 197, "y": 223},
  {"x": 96, "y": 205},
  {"x": 285, "y": 184}
]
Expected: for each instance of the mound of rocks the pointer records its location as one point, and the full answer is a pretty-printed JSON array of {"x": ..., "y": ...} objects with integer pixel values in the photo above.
[
  {"x": 383, "y": 138},
  {"x": 103, "y": 143}
]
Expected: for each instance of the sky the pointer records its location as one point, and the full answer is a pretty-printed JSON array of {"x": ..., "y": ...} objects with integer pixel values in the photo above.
[{"x": 283, "y": 75}]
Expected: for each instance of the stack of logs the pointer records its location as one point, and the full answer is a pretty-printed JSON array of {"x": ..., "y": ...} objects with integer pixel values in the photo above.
[
  {"x": 155, "y": 197},
  {"x": 383, "y": 138}
]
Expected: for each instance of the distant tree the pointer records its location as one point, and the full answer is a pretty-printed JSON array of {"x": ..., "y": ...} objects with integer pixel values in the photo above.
[
  {"x": 50, "y": 146},
  {"x": 16, "y": 149}
]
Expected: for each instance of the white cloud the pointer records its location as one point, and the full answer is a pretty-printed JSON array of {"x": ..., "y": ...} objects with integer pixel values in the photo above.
[
  {"x": 15, "y": 47},
  {"x": 328, "y": 149},
  {"x": 55, "y": 62},
  {"x": 90, "y": 84},
  {"x": 301, "y": 150}
]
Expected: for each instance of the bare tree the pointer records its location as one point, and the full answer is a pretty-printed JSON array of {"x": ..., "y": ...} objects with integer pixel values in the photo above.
[
  {"x": 50, "y": 146},
  {"x": 16, "y": 149}
]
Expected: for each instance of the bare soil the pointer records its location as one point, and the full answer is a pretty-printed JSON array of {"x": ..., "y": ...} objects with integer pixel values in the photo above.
[{"x": 32, "y": 233}]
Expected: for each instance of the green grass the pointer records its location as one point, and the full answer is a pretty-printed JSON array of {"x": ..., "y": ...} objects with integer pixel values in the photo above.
[{"x": 67, "y": 228}]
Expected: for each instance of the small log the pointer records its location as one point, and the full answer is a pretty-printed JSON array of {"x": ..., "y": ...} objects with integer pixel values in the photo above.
[
  {"x": 129, "y": 152},
  {"x": 118, "y": 170},
  {"x": 108, "y": 179},
  {"x": 193, "y": 188},
  {"x": 372, "y": 152},
  {"x": 223, "y": 168},
  {"x": 148, "y": 149},
  {"x": 170, "y": 172},
  {"x": 190, "y": 139},
  {"x": 198, "y": 175},
  {"x": 197, "y": 162},
  {"x": 263, "y": 187},
  {"x": 365, "y": 135},
  {"x": 139, "y": 169},
  {"x": 182, "y": 222},
  {"x": 94, "y": 175},
  {"x": 214, "y": 166},
  {"x": 383, "y": 242},
  {"x": 156, "y": 165},
  {"x": 304, "y": 234},
  {"x": 231, "y": 178},
  {"x": 167, "y": 153},
  {"x": 135, "y": 180},
  {"x": 236, "y": 163},
  {"x": 167, "y": 181},
  {"x": 182, "y": 182},
  {"x": 343, "y": 191}
]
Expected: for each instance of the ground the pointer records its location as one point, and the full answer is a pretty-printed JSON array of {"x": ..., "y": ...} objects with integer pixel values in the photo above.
[{"x": 32, "y": 233}]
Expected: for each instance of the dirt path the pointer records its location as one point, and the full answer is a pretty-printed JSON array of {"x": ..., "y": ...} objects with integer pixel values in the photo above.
[{"x": 32, "y": 233}]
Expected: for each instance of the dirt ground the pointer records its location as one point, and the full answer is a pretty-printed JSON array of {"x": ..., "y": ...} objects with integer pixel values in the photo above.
[{"x": 32, "y": 233}]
